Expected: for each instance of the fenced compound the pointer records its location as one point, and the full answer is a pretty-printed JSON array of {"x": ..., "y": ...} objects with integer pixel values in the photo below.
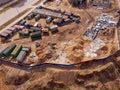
[{"x": 43, "y": 65}]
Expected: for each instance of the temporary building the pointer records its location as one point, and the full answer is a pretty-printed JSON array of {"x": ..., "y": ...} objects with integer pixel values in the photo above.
[
  {"x": 34, "y": 29},
  {"x": 19, "y": 27},
  {"x": 30, "y": 16},
  {"x": 4, "y": 36},
  {"x": 47, "y": 12},
  {"x": 26, "y": 49},
  {"x": 54, "y": 28},
  {"x": 16, "y": 51},
  {"x": 10, "y": 33},
  {"x": 21, "y": 57},
  {"x": 8, "y": 51},
  {"x": 24, "y": 33},
  {"x": 22, "y": 22},
  {"x": 35, "y": 35},
  {"x": 13, "y": 29},
  {"x": 37, "y": 17},
  {"x": 48, "y": 20},
  {"x": 77, "y": 2},
  {"x": 3, "y": 48}
]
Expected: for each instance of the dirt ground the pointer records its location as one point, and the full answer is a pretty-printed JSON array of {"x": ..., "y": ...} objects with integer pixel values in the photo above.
[{"x": 67, "y": 45}]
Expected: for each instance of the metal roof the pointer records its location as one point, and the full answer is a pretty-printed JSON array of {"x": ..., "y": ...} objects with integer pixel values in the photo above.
[
  {"x": 3, "y": 48},
  {"x": 21, "y": 56},
  {"x": 48, "y": 12},
  {"x": 3, "y": 34}
]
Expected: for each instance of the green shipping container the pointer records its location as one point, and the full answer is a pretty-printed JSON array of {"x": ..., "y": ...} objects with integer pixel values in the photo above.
[
  {"x": 35, "y": 35},
  {"x": 16, "y": 51},
  {"x": 8, "y": 51}
]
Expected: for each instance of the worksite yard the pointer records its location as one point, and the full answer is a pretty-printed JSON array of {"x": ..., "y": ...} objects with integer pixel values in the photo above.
[{"x": 67, "y": 46}]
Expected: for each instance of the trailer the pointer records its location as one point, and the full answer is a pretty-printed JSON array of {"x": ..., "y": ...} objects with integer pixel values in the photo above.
[{"x": 22, "y": 22}]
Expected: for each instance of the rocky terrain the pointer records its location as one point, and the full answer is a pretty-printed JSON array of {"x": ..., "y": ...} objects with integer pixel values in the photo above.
[{"x": 93, "y": 75}]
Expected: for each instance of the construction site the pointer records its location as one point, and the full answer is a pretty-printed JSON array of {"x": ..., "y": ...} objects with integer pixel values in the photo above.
[
  {"x": 57, "y": 35},
  {"x": 75, "y": 33}
]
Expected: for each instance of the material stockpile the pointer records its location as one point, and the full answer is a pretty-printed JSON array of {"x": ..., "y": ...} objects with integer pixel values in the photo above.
[
  {"x": 90, "y": 51},
  {"x": 102, "y": 23}
]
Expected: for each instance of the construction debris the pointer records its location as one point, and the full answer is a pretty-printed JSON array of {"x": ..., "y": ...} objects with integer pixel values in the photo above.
[
  {"x": 90, "y": 51},
  {"x": 102, "y": 23}
]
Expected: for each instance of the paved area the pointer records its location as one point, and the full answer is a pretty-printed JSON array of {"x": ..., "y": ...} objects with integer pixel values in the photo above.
[
  {"x": 3, "y": 6},
  {"x": 33, "y": 7},
  {"x": 12, "y": 12}
]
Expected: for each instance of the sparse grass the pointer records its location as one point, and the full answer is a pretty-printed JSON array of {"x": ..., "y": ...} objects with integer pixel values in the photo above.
[
  {"x": 13, "y": 19},
  {"x": 37, "y": 3}
]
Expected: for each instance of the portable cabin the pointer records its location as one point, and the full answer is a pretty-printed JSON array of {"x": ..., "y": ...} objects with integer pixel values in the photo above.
[
  {"x": 24, "y": 33},
  {"x": 34, "y": 29},
  {"x": 22, "y": 22},
  {"x": 54, "y": 28},
  {"x": 30, "y": 16},
  {"x": 10, "y": 33},
  {"x": 67, "y": 21},
  {"x": 16, "y": 51},
  {"x": 47, "y": 12},
  {"x": 2, "y": 49},
  {"x": 4, "y": 36},
  {"x": 8, "y": 51},
  {"x": 77, "y": 2},
  {"x": 28, "y": 25},
  {"x": 19, "y": 27},
  {"x": 103, "y": 3},
  {"x": 35, "y": 35},
  {"x": 21, "y": 57},
  {"x": 13, "y": 29},
  {"x": 37, "y": 17},
  {"x": 60, "y": 22},
  {"x": 49, "y": 20},
  {"x": 26, "y": 49}
]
